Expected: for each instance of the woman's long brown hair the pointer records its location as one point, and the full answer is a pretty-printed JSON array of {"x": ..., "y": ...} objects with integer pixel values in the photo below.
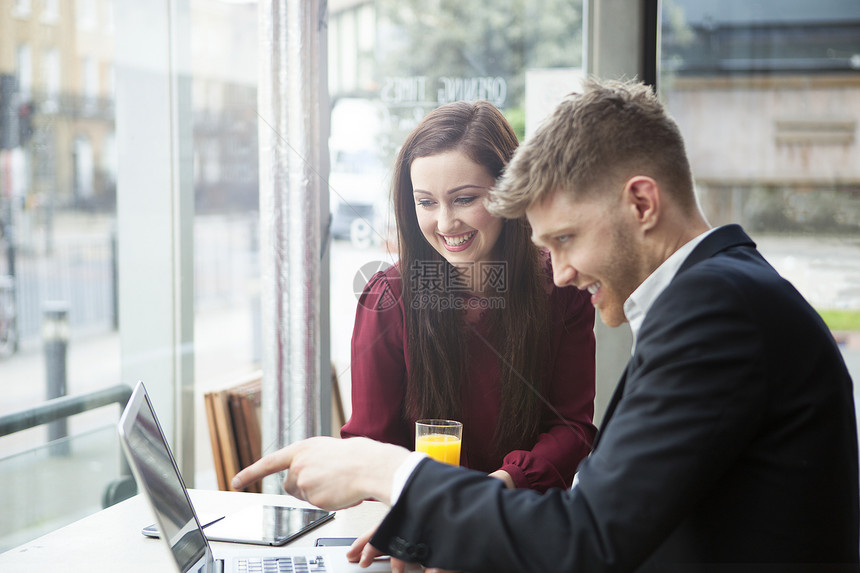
[{"x": 437, "y": 340}]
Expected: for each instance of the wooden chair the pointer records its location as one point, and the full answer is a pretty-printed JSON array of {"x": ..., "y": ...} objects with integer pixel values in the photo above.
[{"x": 233, "y": 416}]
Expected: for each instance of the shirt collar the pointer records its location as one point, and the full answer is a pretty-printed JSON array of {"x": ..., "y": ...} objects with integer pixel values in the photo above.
[{"x": 640, "y": 301}]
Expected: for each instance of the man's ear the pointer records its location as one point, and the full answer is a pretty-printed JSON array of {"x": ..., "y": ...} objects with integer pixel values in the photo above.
[{"x": 642, "y": 196}]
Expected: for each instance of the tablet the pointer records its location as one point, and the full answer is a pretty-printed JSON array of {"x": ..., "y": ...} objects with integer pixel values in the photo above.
[
  {"x": 260, "y": 524},
  {"x": 266, "y": 524}
]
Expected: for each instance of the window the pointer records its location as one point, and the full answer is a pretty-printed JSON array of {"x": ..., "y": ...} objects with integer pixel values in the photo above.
[
  {"x": 395, "y": 61},
  {"x": 110, "y": 80},
  {"x": 50, "y": 11},
  {"x": 86, "y": 14},
  {"x": 108, "y": 16},
  {"x": 390, "y": 63},
  {"x": 24, "y": 69},
  {"x": 224, "y": 37},
  {"x": 83, "y": 153},
  {"x": 768, "y": 98},
  {"x": 21, "y": 8},
  {"x": 89, "y": 80},
  {"x": 57, "y": 218},
  {"x": 51, "y": 79}
]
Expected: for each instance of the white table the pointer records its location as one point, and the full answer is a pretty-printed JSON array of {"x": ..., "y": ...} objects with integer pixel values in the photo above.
[{"x": 110, "y": 540}]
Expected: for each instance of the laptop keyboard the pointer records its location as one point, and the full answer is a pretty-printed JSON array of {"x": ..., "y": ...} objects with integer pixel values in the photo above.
[{"x": 281, "y": 565}]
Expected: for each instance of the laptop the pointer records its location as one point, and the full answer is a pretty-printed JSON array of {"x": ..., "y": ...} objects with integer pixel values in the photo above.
[{"x": 161, "y": 484}]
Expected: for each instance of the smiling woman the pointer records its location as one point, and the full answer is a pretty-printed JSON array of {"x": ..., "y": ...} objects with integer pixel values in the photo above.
[
  {"x": 467, "y": 326},
  {"x": 449, "y": 193}
]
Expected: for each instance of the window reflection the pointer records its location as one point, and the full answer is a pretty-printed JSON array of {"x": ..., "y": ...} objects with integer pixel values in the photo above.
[
  {"x": 58, "y": 177},
  {"x": 224, "y": 37},
  {"x": 767, "y": 95},
  {"x": 769, "y": 100},
  {"x": 393, "y": 61}
]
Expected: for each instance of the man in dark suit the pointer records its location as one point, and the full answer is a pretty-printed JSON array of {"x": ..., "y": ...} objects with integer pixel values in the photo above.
[{"x": 730, "y": 443}]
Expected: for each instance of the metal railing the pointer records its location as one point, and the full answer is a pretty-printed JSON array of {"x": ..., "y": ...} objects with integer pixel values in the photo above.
[
  {"x": 59, "y": 408},
  {"x": 65, "y": 406}
]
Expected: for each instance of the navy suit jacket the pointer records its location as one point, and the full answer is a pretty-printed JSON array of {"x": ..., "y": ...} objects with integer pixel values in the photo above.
[{"x": 730, "y": 444}]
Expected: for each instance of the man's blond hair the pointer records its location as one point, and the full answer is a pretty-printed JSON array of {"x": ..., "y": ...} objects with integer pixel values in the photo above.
[{"x": 605, "y": 135}]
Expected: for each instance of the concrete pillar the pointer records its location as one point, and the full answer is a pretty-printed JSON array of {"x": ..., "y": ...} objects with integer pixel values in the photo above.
[{"x": 614, "y": 49}]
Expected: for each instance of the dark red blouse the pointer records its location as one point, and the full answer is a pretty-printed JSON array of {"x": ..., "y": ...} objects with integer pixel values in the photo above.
[{"x": 379, "y": 367}]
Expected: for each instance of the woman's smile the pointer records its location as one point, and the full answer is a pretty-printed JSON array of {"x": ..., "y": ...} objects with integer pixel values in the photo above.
[{"x": 449, "y": 191}]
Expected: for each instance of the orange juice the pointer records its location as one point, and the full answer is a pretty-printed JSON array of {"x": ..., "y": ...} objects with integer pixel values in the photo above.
[{"x": 440, "y": 447}]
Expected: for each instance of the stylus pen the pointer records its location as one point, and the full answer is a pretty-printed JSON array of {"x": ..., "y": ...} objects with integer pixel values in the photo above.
[
  {"x": 216, "y": 520},
  {"x": 152, "y": 530}
]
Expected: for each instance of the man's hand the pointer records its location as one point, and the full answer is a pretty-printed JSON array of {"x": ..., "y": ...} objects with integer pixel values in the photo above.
[
  {"x": 329, "y": 472},
  {"x": 363, "y": 553}
]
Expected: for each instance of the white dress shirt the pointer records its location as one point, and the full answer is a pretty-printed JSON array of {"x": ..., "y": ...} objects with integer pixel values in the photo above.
[{"x": 640, "y": 301}]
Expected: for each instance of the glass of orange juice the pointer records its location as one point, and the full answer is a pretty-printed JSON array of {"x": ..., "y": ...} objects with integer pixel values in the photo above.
[{"x": 439, "y": 439}]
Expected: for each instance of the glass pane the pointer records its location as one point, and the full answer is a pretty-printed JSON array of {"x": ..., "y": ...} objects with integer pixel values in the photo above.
[
  {"x": 58, "y": 173},
  {"x": 86, "y": 464},
  {"x": 393, "y": 61},
  {"x": 226, "y": 225},
  {"x": 767, "y": 95}
]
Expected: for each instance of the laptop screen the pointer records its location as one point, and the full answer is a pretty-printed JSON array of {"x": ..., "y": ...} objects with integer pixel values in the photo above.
[{"x": 155, "y": 467}]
